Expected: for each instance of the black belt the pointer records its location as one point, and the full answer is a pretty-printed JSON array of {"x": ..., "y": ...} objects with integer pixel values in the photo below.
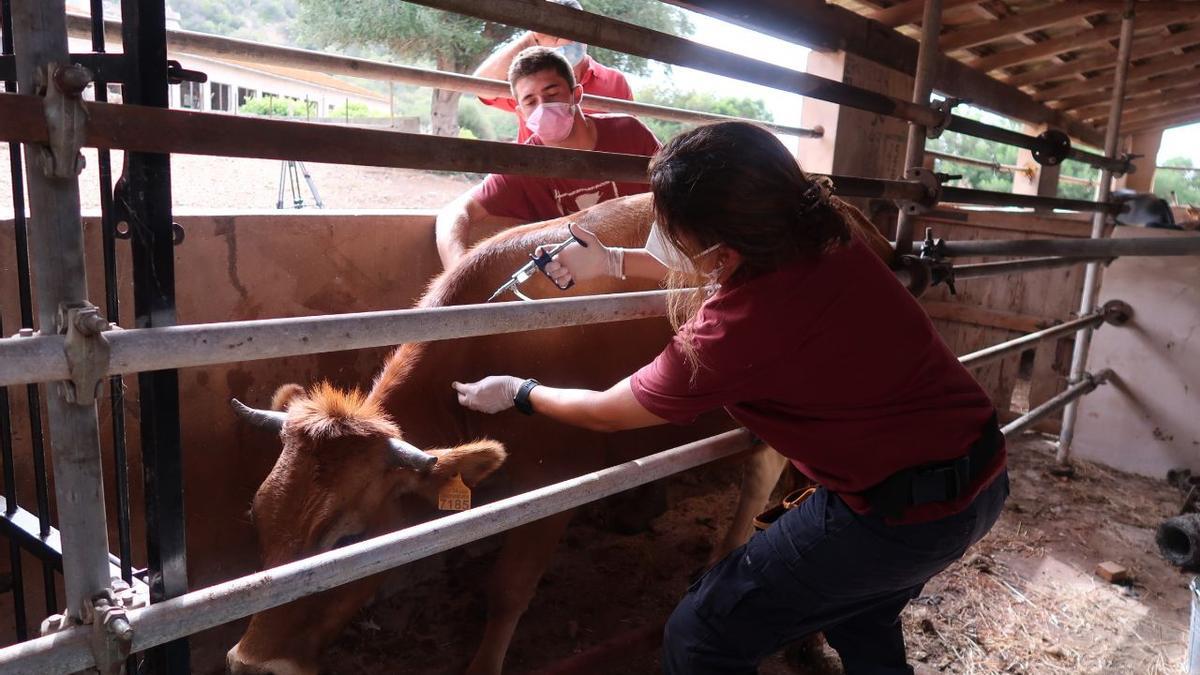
[{"x": 938, "y": 481}]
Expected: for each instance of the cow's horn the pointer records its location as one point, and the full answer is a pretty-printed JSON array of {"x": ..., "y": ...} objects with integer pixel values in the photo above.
[
  {"x": 411, "y": 457},
  {"x": 267, "y": 419}
]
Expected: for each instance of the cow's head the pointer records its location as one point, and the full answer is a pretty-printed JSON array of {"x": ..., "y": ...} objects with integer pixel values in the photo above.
[{"x": 343, "y": 476}]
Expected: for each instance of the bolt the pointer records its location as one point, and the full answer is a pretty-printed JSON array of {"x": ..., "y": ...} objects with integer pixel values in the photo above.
[
  {"x": 25, "y": 332},
  {"x": 72, "y": 80},
  {"x": 90, "y": 323}
]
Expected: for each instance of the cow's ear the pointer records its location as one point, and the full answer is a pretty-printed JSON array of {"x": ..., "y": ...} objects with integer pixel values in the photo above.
[
  {"x": 285, "y": 395},
  {"x": 474, "y": 461}
]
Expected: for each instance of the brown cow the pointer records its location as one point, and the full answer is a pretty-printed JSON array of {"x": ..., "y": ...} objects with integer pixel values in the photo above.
[{"x": 336, "y": 480}]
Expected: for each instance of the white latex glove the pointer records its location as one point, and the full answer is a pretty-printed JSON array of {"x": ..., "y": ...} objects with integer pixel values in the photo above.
[
  {"x": 489, "y": 395},
  {"x": 576, "y": 263}
]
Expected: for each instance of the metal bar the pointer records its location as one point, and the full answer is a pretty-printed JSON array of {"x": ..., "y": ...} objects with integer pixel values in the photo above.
[
  {"x": 40, "y": 37},
  {"x": 112, "y": 311},
  {"x": 928, "y": 57},
  {"x": 1179, "y": 168},
  {"x": 147, "y": 349},
  {"x": 959, "y": 159},
  {"x": 145, "y": 202},
  {"x": 213, "y": 46},
  {"x": 109, "y": 67},
  {"x": 957, "y": 195},
  {"x": 989, "y": 354},
  {"x": 1092, "y": 272},
  {"x": 68, "y": 650},
  {"x": 996, "y": 269},
  {"x": 25, "y": 300},
  {"x": 10, "y": 499},
  {"x": 1085, "y": 386},
  {"x": 1075, "y": 248},
  {"x": 21, "y": 525},
  {"x": 601, "y": 31},
  {"x": 989, "y": 132}
]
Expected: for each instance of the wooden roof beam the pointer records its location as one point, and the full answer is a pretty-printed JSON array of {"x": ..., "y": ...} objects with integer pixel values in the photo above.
[
  {"x": 1150, "y": 19},
  {"x": 987, "y": 31},
  {"x": 909, "y": 11},
  {"x": 833, "y": 27},
  {"x": 1099, "y": 112},
  {"x": 1163, "y": 123},
  {"x": 1166, "y": 65},
  {"x": 1142, "y": 49},
  {"x": 1156, "y": 86},
  {"x": 1175, "y": 109}
]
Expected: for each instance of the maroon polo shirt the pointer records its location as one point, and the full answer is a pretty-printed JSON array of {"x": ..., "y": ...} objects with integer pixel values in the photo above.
[{"x": 834, "y": 364}]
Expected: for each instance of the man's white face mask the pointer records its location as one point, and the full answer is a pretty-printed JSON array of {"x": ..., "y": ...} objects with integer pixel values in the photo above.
[{"x": 664, "y": 251}]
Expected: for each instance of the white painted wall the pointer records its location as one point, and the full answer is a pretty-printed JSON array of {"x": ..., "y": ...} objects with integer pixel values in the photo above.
[{"x": 1148, "y": 420}]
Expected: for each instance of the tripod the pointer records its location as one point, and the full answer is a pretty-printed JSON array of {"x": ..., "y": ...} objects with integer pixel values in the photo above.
[{"x": 289, "y": 176}]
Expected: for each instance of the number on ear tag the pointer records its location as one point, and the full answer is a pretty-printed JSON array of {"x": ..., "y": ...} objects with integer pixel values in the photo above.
[{"x": 454, "y": 495}]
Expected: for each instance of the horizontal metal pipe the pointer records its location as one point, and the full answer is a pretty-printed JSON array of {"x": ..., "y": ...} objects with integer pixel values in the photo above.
[
  {"x": 68, "y": 651},
  {"x": 989, "y": 132},
  {"x": 997, "y": 269},
  {"x": 41, "y": 358},
  {"x": 1085, "y": 386},
  {"x": 957, "y": 195},
  {"x": 1076, "y": 248},
  {"x": 959, "y": 159},
  {"x": 989, "y": 354},
  {"x": 215, "y": 46},
  {"x": 602, "y": 31}
]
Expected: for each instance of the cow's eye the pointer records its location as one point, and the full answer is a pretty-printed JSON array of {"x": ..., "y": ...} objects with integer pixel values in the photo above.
[{"x": 346, "y": 540}]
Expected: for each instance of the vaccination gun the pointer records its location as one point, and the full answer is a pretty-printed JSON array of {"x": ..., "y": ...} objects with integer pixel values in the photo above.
[{"x": 538, "y": 262}]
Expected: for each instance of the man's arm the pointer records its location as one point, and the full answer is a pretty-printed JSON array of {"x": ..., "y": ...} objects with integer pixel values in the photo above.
[
  {"x": 461, "y": 223},
  {"x": 496, "y": 65}
]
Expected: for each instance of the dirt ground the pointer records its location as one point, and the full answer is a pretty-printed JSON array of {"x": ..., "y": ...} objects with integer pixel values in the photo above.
[
  {"x": 1025, "y": 600},
  {"x": 218, "y": 183}
]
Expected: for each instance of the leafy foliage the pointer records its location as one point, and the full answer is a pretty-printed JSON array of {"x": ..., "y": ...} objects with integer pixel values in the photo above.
[
  {"x": 1185, "y": 184},
  {"x": 703, "y": 101},
  {"x": 275, "y": 106}
]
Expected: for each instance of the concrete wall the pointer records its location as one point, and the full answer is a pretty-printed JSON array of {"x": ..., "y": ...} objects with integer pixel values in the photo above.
[{"x": 1148, "y": 420}]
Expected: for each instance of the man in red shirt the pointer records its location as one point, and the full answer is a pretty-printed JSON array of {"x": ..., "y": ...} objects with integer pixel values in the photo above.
[
  {"x": 595, "y": 78},
  {"x": 787, "y": 307},
  {"x": 549, "y": 99}
]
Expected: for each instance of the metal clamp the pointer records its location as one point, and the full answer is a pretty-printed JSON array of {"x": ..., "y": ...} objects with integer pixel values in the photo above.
[
  {"x": 1127, "y": 166},
  {"x": 66, "y": 118},
  {"x": 1116, "y": 312},
  {"x": 941, "y": 271},
  {"x": 112, "y": 634},
  {"x": 946, "y": 108},
  {"x": 1053, "y": 148},
  {"x": 87, "y": 351},
  {"x": 177, "y": 74},
  {"x": 933, "y": 191}
]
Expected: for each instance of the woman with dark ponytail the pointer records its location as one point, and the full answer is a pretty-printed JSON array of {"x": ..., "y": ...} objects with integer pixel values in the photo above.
[{"x": 790, "y": 323}]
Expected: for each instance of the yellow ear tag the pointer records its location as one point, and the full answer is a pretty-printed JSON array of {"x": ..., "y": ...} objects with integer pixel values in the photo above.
[{"x": 454, "y": 495}]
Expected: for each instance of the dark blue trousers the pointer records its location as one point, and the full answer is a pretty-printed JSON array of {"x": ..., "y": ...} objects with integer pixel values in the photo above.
[{"x": 820, "y": 567}]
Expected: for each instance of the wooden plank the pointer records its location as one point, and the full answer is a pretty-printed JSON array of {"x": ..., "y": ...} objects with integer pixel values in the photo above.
[
  {"x": 981, "y": 316},
  {"x": 1156, "y": 86},
  {"x": 1164, "y": 123},
  {"x": 859, "y": 35},
  {"x": 1167, "y": 64},
  {"x": 987, "y": 31},
  {"x": 1007, "y": 221},
  {"x": 1067, "y": 43},
  {"x": 1177, "y": 107},
  {"x": 1136, "y": 105},
  {"x": 910, "y": 11},
  {"x": 1142, "y": 49}
]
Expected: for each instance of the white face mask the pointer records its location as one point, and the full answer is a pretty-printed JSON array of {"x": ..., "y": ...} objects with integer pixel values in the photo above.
[{"x": 664, "y": 251}]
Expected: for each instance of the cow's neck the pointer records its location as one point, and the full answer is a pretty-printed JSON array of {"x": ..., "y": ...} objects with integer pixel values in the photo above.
[{"x": 414, "y": 388}]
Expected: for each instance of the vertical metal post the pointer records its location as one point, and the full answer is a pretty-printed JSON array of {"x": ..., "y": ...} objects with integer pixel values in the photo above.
[
  {"x": 145, "y": 202},
  {"x": 25, "y": 297},
  {"x": 112, "y": 310},
  {"x": 10, "y": 502},
  {"x": 40, "y": 37},
  {"x": 927, "y": 62},
  {"x": 1083, "y": 340}
]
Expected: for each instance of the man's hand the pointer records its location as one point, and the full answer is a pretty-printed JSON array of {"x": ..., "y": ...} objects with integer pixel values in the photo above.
[
  {"x": 576, "y": 263},
  {"x": 489, "y": 395}
]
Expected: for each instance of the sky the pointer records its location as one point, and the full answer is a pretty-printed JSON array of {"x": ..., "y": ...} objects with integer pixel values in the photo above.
[{"x": 786, "y": 107}]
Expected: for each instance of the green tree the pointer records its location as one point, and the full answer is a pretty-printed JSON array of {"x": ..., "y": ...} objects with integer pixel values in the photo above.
[
  {"x": 453, "y": 42},
  {"x": 1177, "y": 186},
  {"x": 703, "y": 101}
]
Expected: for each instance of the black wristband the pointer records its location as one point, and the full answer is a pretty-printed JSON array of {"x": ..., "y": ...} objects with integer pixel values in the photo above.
[{"x": 521, "y": 400}]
